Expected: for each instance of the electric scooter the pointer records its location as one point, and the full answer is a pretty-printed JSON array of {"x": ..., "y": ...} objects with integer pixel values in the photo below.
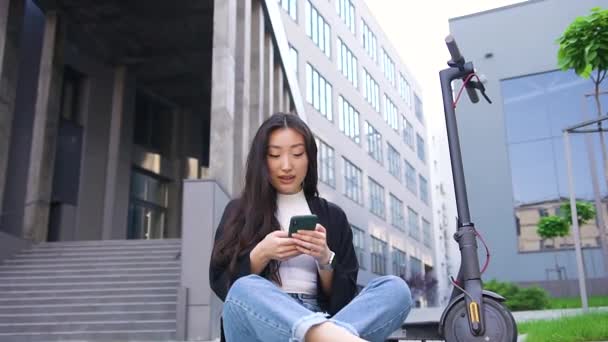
[{"x": 473, "y": 314}]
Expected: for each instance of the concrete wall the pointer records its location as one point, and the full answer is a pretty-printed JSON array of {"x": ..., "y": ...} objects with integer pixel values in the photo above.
[
  {"x": 10, "y": 245},
  {"x": 204, "y": 203},
  {"x": 522, "y": 40}
]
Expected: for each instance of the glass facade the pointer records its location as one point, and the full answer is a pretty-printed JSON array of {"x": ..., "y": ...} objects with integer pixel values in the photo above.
[
  {"x": 536, "y": 109},
  {"x": 379, "y": 251},
  {"x": 376, "y": 199},
  {"x": 319, "y": 92},
  {"x": 347, "y": 63},
  {"x": 349, "y": 120},
  {"x": 317, "y": 29},
  {"x": 326, "y": 163}
]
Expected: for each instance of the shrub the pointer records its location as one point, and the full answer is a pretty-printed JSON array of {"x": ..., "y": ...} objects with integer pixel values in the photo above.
[{"x": 518, "y": 299}]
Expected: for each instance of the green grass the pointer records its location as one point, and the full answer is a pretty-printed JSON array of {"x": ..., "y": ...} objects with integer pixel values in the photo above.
[
  {"x": 586, "y": 327},
  {"x": 575, "y": 302}
]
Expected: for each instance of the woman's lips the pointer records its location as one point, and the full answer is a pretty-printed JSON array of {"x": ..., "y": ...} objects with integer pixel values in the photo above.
[{"x": 287, "y": 179}]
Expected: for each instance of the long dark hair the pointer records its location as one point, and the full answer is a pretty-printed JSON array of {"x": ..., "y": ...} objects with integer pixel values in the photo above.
[{"x": 254, "y": 217}]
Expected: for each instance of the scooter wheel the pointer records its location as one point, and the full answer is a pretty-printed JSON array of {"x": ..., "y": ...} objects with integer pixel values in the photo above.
[{"x": 499, "y": 323}]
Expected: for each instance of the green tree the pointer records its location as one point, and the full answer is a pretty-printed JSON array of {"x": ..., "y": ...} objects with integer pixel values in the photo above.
[
  {"x": 550, "y": 227},
  {"x": 583, "y": 46},
  {"x": 584, "y": 210}
]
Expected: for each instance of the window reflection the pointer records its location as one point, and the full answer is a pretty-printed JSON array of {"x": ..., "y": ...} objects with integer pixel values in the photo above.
[{"x": 536, "y": 109}]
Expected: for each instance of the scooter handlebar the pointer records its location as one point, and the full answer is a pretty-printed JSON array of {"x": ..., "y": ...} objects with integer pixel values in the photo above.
[
  {"x": 453, "y": 48},
  {"x": 458, "y": 58}
]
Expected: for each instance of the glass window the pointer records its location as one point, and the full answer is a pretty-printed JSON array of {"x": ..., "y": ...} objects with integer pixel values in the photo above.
[
  {"x": 424, "y": 189},
  {"x": 317, "y": 28},
  {"x": 420, "y": 148},
  {"x": 147, "y": 206},
  {"x": 347, "y": 63},
  {"x": 397, "y": 217},
  {"x": 359, "y": 244},
  {"x": 374, "y": 142},
  {"x": 388, "y": 66},
  {"x": 376, "y": 198},
  {"x": 410, "y": 178},
  {"x": 346, "y": 11},
  {"x": 399, "y": 263},
  {"x": 408, "y": 132},
  {"x": 290, "y": 7},
  {"x": 348, "y": 120},
  {"x": 418, "y": 108},
  {"x": 379, "y": 250},
  {"x": 390, "y": 113},
  {"x": 413, "y": 224},
  {"x": 326, "y": 163},
  {"x": 353, "y": 181},
  {"x": 426, "y": 231},
  {"x": 318, "y": 92},
  {"x": 371, "y": 91},
  {"x": 415, "y": 266},
  {"x": 394, "y": 162},
  {"x": 369, "y": 41},
  {"x": 293, "y": 59},
  {"x": 536, "y": 109},
  {"x": 404, "y": 90}
]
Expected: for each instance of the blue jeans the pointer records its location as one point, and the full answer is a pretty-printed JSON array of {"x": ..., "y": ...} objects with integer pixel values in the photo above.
[{"x": 257, "y": 310}]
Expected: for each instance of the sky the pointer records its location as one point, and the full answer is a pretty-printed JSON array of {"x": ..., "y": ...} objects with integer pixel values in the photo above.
[{"x": 417, "y": 30}]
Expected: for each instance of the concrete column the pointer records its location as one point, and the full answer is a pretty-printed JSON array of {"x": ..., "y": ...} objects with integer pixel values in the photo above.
[
  {"x": 256, "y": 91},
  {"x": 242, "y": 119},
  {"x": 279, "y": 89},
  {"x": 268, "y": 75},
  {"x": 286, "y": 101},
  {"x": 221, "y": 166},
  {"x": 44, "y": 137},
  {"x": 11, "y": 22},
  {"x": 199, "y": 309},
  {"x": 175, "y": 187},
  {"x": 116, "y": 121}
]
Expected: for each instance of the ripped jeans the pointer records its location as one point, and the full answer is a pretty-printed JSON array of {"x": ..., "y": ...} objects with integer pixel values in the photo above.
[{"x": 257, "y": 310}]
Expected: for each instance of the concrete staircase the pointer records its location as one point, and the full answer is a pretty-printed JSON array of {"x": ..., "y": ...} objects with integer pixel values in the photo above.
[{"x": 113, "y": 290}]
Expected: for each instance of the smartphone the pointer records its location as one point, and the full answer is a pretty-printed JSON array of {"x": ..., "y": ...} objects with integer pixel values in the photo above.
[{"x": 302, "y": 222}]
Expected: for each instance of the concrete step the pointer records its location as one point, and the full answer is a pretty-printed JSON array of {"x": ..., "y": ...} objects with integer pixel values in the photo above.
[
  {"x": 92, "y": 300},
  {"x": 47, "y": 327},
  {"x": 99, "y": 285},
  {"x": 92, "y": 248},
  {"x": 167, "y": 290},
  {"x": 97, "y": 336},
  {"x": 90, "y": 265},
  {"x": 88, "y": 259},
  {"x": 96, "y": 253},
  {"x": 98, "y": 307},
  {"x": 87, "y": 271},
  {"x": 109, "y": 243},
  {"x": 112, "y": 316},
  {"x": 14, "y": 280}
]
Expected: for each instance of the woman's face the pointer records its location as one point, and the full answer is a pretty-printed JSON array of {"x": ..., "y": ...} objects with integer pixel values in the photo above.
[{"x": 287, "y": 160}]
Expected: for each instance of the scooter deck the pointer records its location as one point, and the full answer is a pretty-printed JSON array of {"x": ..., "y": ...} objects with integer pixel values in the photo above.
[{"x": 420, "y": 331}]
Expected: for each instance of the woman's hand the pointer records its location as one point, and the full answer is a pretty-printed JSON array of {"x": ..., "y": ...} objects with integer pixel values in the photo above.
[
  {"x": 277, "y": 246},
  {"x": 313, "y": 243}
]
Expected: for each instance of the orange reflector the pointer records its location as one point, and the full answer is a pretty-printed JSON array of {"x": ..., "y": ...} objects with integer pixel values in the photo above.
[{"x": 474, "y": 310}]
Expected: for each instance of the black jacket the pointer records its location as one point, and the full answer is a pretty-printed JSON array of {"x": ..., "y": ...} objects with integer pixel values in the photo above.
[{"x": 339, "y": 240}]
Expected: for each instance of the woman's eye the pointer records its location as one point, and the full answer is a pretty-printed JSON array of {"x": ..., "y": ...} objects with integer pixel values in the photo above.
[
  {"x": 274, "y": 155},
  {"x": 299, "y": 154}
]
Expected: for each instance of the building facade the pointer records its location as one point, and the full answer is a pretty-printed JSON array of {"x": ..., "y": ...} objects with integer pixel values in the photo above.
[
  {"x": 513, "y": 149},
  {"x": 365, "y": 109},
  {"x": 107, "y": 107}
]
